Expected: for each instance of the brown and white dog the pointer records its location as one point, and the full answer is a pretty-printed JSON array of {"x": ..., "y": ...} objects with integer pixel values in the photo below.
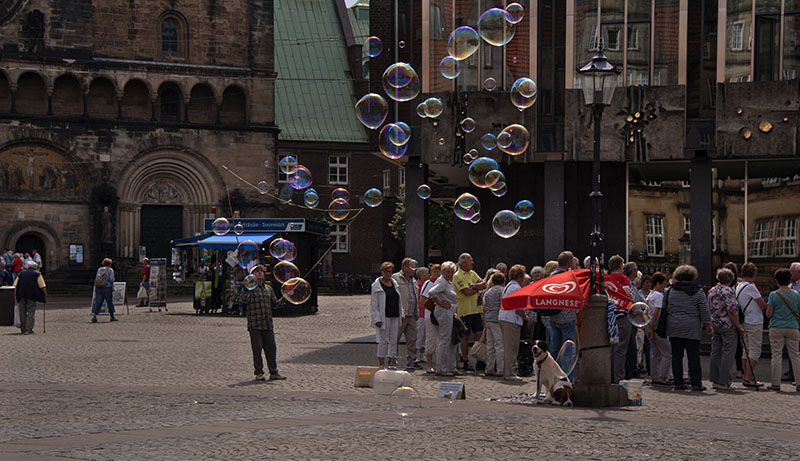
[{"x": 552, "y": 379}]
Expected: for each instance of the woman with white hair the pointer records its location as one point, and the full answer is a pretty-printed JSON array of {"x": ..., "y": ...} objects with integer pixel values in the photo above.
[
  {"x": 386, "y": 311},
  {"x": 444, "y": 295},
  {"x": 725, "y": 321}
]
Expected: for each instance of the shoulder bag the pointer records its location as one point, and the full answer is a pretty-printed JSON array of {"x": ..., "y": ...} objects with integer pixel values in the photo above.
[
  {"x": 661, "y": 326},
  {"x": 796, "y": 317},
  {"x": 742, "y": 311}
]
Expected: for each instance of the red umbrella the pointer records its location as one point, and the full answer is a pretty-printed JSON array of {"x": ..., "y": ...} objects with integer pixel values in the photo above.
[{"x": 566, "y": 290}]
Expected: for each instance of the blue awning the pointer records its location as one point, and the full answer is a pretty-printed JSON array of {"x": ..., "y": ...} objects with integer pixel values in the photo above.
[{"x": 230, "y": 241}]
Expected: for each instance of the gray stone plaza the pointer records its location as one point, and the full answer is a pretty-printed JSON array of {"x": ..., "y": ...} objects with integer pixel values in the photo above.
[{"x": 174, "y": 385}]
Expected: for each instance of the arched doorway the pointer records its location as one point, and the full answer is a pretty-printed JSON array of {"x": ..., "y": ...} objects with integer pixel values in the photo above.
[{"x": 29, "y": 242}]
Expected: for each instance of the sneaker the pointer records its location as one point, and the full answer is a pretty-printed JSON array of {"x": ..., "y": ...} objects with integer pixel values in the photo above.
[
  {"x": 114, "y": 319},
  {"x": 276, "y": 377},
  {"x": 94, "y": 319},
  {"x": 260, "y": 377}
]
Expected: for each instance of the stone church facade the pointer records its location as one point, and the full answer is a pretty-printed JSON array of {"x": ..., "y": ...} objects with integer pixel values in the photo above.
[{"x": 118, "y": 117}]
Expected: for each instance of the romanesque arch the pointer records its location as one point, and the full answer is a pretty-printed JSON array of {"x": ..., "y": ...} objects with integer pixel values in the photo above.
[
  {"x": 166, "y": 176},
  {"x": 67, "y": 96},
  {"x": 53, "y": 251},
  {"x": 102, "y": 99}
]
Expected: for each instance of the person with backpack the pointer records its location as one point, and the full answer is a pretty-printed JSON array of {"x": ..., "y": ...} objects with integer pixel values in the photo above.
[
  {"x": 104, "y": 290},
  {"x": 751, "y": 308}
]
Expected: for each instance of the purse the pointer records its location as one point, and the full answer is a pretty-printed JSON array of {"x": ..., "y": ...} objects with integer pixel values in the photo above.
[
  {"x": 478, "y": 349},
  {"x": 661, "y": 326}
]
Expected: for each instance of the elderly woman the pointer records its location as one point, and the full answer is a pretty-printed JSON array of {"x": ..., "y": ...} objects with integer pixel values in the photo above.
[
  {"x": 431, "y": 329},
  {"x": 511, "y": 324},
  {"x": 494, "y": 335},
  {"x": 444, "y": 295},
  {"x": 725, "y": 322},
  {"x": 537, "y": 273},
  {"x": 421, "y": 274},
  {"x": 783, "y": 312},
  {"x": 386, "y": 312},
  {"x": 687, "y": 315}
]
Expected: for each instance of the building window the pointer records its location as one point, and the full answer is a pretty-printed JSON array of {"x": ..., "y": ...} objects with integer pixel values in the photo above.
[
  {"x": 487, "y": 54},
  {"x": 614, "y": 38},
  {"x": 283, "y": 177},
  {"x": 786, "y": 237},
  {"x": 437, "y": 22},
  {"x": 338, "y": 172},
  {"x": 339, "y": 232},
  {"x": 737, "y": 29},
  {"x": 654, "y": 235},
  {"x": 762, "y": 234},
  {"x": 401, "y": 178},
  {"x": 387, "y": 182},
  {"x": 169, "y": 37},
  {"x": 687, "y": 225},
  {"x": 633, "y": 38},
  {"x": 593, "y": 38}
]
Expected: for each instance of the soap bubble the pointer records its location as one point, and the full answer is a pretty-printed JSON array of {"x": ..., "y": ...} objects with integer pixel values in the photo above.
[
  {"x": 285, "y": 195},
  {"x": 221, "y": 226},
  {"x": 371, "y": 110},
  {"x": 475, "y": 219},
  {"x": 421, "y": 110},
  {"x": 523, "y": 93},
  {"x": 250, "y": 282},
  {"x": 373, "y": 47},
  {"x": 474, "y": 153},
  {"x": 433, "y": 107},
  {"x": 495, "y": 28},
  {"x": 478, "y": 169},
  {"x": 489, "y": 141},
  {"x": 490, "y": 84},
  {"x": 291, "y": 252},
  {"x": 296, "y": 290},
  {"x": 401, "y": 44},
  {"x": 339, "y": 209},
  {"x": 311, "y": 198},
  {"x": 405, "y": 401},
  {"x": 395, "y": 133},
  {"x": 284, "y": 271},
  {"x": 524, "y": 209},
  {"x": 238, "y": 229},
  {"x": 300, "y": 178},
  {"x": 389, "y": 148},
  {"x": 505, "y": 224},
  {"x": 406, "y": 129},
  {"x": 499, "y": 189},
  {"x": 441, "y": 141},
  {"x": 468, "y": 158},
  {"x": 466, "y": 206},
  {"x": 373, "y": 197},
  {"x": 450, "y": 67},
  {"x": 468, "y": 125},
  {"x": 493, "y": 177},
  {"x": 463, "y": 43},
  {"x": 340, "y": 193},
  {"x": 515, "y": 13},
  {"x": 263, "y": 187},
  {"x": 401, "y": 82},
  {"x": 279, "y": 247},
  {"x": 515, "y": 139},
  {"x": 567, "y": 356},
  {"x": 266, "y": 163},
  {"x": 424, "y": 192},
  {"x": 639, "y": 314},
  {"x": 288, "y": 164},
  {"x": 246, "y": 254}
]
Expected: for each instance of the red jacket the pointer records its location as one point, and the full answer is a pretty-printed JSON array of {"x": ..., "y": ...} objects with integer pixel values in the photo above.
[{"x": 16, "y": 265}]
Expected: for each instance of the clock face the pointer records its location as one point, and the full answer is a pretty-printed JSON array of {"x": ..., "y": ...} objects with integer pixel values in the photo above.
[{"x": 9, "y": 9}]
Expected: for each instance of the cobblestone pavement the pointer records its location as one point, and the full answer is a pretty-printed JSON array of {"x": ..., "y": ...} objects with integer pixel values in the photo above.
[{"x": 173, "y": 385}]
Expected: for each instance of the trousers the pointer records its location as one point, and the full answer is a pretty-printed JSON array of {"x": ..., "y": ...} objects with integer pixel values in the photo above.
[
  {"x": 692, "y": 348},
  {"x": 447, "y": 354},
  {"x": 619, "y": 351},
  {"x": 723, "y": 350},
  {"x": 660, "y": 357},
  {"x": 511, "y": 333},
  {"x": 494, "y": 348},
  {"x": 387, "y": 337},
  {"x": 27, "y": 311},
  {"x": 264, "y": 340},
  {"x": 408, "y": 327}
]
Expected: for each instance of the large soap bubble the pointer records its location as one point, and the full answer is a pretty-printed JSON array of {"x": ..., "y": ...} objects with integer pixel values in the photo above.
[
  {"x": 339, "y": 209},
  {"x": 396, "y": 134},
  {"x": 311, "y": 198},
  {"x": 505, "y": 224},
  {"x": 639, "y": 314},
  {"x": 463, "y": 43},
  {"x": 285, "y": 270},
  {"x": 371, "y": 110},
  {"x": 246, "y": 254},
  {"x": 450, "y": 67},
  {"x": 405, "y": 401},
  {"x": 373, "y": 47},
  {"x": 296, "y": 290},
  {"x": 279, "y": 247},
  {"x": 373, "y": 197},
  {"x": 478, "y": 169},
  {"x": 221, "y": 226},
  {"x": 288, "y": 164},
  {"x": 433, "y": 107},
  {"x": 567, "y": 356},
  {"x": 515, "y": 139},
  {"x": 389, "y": 148},
  {"x": 424, "y": 192},
  {"x": 301, "y": 178},
  {"x": 401, "y": 82},
  {"x": 495, "y": 28},
  {"x": 466, "y": 206},
  {"x": 524, "y": 209},
  {"x": 515, "y": 13},
  {"x": 340, "y": 192},
  {"x": 523, "y": 93}
]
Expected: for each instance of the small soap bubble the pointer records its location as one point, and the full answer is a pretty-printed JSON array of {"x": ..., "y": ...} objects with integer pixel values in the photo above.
[
  {"x": 285, "y": 270},
  {"x": 401, "y": 44},
  {"x": 515, "y": 139},
  {"x": 639, "y": 315},
  {"x": 505, "y": 224},
  {"x": 421, "y": 110},
  {"x": 263, "y": 187},
  {"x": 288, "y": 164},
  {"x": 424, "y": 192},
  {"x": 405, "y": 401},
  {"x": 503, "y": 140},
  {"x": 490, "y": 84},
  {"x": 371, "y": 110},
  {"x": 468, "y": 158},
  {"x": 524, "y": 209},
  {"x": 450, "y": 67},
  {"x": 246, "y": 254},
  {"x": 495, "y": 28},
  {"x": 301, "y": 178},
  {"x": 266, "y": 163},
  {"x": 523, "y": 93},
  {"x": 466, "y": 206},
  {"x": 340, "y": 193},
  {"x": 567, "y": 356},
  {"x": 433, "y": 107},
  {"x": 493, "y": 177},
  {"x": 463, "y": 43},
  {"x": 468, "y": 125},
  {"x": 389, "y": 148},
  {"x": 499, "y": 189},
  {"x": 311, "y": 198},
  {"x": 278, "y": 248},
  {"x": 401, "y": 82},
  {"x": 296, "y": 290},
  {"x": 250, "y": 282},
  {"x": 238, "y": 229},
  {"x": 373, "y": 197},
  {"x": 515, "y": 13},
  {"x": 285, "y": 195},
  {"x": 339, "y": 209},
  {"x": 373, "y": 47},
  {"x": 221, "y": 226},
  {"x": 441, "y": 141},
  {"x": 475, "y": 219},
  {"x": 489, "y": 141}
]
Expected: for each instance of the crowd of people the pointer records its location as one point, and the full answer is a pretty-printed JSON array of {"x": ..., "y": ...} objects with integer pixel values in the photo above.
[
  {"x": 12, "y": 264},
  {"x": 438, "y": 308}
]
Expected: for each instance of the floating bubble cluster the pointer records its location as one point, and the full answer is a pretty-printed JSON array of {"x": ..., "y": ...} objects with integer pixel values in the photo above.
[
  {"x": 478, "y": 169},
  {"x": 466, "y": 206},
  {"x": 220, "y": 226},
  {"x": 495, "y": 28},
  {"x": 285, "y": 270},
  {"x": 505, "y": 224},
  {"x": 524, "y": 209},
  {"x": 373, "y": 197},
  {"x": 296, "y": 290},
  {"x": 371, "y": 110},
  {"x": 450, "y": 67},
  {"x": 639, "y": 314},
  {"x": 401, "y": 82},
  {"x": 424, "y": 192},
  {"x": 463, "y": 43},
  {"x": 311, "y": 198},
  {"x": 373, "y": 47}
]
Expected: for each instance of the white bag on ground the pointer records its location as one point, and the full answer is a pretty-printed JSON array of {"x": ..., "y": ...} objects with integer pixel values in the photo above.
[
  {"x": 16, "y": 315},
  {"x": 142, "y": 293}
]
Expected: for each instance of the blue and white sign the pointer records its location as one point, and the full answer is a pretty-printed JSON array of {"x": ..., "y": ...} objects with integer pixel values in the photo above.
[{"x": 271, "y": 225}]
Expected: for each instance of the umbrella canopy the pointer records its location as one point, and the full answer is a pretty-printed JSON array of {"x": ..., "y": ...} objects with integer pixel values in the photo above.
[{"x": 566, "y": 290}]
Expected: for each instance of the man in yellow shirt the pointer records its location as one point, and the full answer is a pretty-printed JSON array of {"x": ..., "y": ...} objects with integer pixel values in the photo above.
[{"x": 468, "y": 285}]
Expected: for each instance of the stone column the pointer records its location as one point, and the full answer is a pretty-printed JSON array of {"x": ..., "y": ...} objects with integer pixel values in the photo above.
[
  {"x": 416, "y": 211},
  {"x": 701, "y": 216}
]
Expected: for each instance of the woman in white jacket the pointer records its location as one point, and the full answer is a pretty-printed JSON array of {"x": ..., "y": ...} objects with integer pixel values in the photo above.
[{"x": 386, "y": 313}]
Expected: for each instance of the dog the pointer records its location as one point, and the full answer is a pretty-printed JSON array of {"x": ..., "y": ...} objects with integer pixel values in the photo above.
[{"x": 556, "y": 384}]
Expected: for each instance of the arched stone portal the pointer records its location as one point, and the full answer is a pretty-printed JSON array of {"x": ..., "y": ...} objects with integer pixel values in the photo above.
[
  {"x": 20, "y": 236},
  {"x": 165, "y": 178}
]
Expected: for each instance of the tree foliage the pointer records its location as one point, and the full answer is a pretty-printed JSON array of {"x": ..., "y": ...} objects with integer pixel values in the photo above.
[{"x": 440, "y": 223}]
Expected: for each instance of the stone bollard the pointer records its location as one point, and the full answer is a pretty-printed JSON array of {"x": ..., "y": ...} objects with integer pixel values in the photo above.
[{"x": 593, "y": 387}]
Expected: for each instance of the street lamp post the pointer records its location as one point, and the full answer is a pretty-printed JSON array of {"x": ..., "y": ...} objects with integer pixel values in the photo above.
[{"x": 594, "y": 387}]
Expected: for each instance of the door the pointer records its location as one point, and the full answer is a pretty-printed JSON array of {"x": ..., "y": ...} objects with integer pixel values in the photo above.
[
  {"x": 159, "y": 225},
  {"x": 29, "y": 242}
]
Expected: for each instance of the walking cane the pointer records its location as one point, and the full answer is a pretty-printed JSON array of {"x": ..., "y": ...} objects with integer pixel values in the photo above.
[
  {"x": 44, "y": 318},
  {"x": 747, "y": 357}
]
